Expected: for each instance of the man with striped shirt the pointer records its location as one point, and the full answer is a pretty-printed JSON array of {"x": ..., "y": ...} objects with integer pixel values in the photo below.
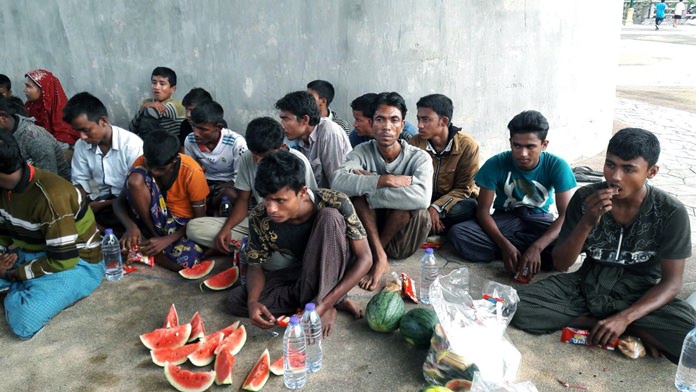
[{"x": 51, "y": 255}]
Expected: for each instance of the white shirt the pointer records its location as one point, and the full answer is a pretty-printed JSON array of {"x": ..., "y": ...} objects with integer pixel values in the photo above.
[
  {"x": 102, "y": 174},
  {"x": 679, "y": 8},
  {"x": 222, "y": 163}
]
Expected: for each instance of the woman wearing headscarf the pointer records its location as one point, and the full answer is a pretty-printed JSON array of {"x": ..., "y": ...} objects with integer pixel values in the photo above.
[{"x": 45, "y": 102}]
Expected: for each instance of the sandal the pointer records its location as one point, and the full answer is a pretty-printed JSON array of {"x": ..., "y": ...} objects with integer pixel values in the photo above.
[{"x": 588, "y": 171}]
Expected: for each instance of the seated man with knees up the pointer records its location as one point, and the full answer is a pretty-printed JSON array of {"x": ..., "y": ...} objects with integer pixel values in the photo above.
[
  {"x": 102, "y": 157},
  {"x": 390, "y": 183},
  {"x": 455, "y": 162},
  {"x": 218, "y": 151},
  {"x": 636, "y": 239},
  {"x": 164, "y": 190},
  {"x": 263, "y": 136},
  {"x": 55, "y": 258},
  {"x": 522, "y": 182},
  {"x": 304, "y": 246}
]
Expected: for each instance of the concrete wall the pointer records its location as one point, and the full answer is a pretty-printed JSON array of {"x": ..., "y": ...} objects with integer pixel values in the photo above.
[{"x": 494, "y": 59}]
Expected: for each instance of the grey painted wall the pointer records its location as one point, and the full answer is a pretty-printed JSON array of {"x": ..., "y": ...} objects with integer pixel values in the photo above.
[{"x": 494, "y": 58}]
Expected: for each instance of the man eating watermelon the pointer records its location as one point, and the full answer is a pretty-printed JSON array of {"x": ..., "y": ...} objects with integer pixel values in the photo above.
[{"x": 304, "y": 246}]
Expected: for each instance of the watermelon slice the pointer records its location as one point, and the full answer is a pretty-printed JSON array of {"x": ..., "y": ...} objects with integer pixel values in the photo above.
[
  {"x": 205, "y": 353},
  {"x": 166, "y": 337},
  {"x": 229, "y": 329},
  {"x": 199, "y": 270},
  {"x": 172, "y": 319},
  {"x": 173, "y": 355},
  {"x": 224, "y": 363},
  {"x": 223, "y": 280},
  {"x": 187, "y": 381},
  {"x": 277, "y": 367},
  {"x": 197, "y": 329},
  {"x": 233, "y": 343},
  {"x": 259, "y": 373}
]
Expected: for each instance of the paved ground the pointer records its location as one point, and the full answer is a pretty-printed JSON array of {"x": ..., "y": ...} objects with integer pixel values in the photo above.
[{"x": 94, "y": 345}]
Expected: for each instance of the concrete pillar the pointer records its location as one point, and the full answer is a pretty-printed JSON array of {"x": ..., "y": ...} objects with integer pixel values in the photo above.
[{"x": 494, "y": 59}]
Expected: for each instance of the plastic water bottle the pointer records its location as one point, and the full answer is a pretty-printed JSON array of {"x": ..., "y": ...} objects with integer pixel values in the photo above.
[
  {"x": 685, "y": 379},
  {"x": 428, "y": 273},
  {"x": 294, "y": 355},
  {"x": 111, "y": 253},
  {"x": 311, "y": 323},
  {"x": 225, "y": 206}
]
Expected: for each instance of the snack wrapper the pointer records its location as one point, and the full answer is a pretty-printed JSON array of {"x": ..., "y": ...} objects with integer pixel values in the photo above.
[
  {"x": 582, "y": 337},
  {"x": 408, "y": 288},
  {"x": 135, "y": 256}
]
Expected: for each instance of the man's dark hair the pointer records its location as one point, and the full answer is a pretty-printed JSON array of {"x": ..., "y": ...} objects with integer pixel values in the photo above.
[
  {"x": 16, "y": 106},
  {"x": 84, "y": 103},
  {"x": 323, "y": 89},
  {"x": 390, "y": 99},
  {"x": 631, "y": 143},
  {"x": 208, "y": 112},
  {"x": 5, "y": 105},
  {"x": 5, "y": 82},
  {"x": 160, "y": 148},
  {"x": 529, "y": 121},
  {"x": 10, "y": 156},
  {"x": 196, "y": 96},
  {"x": 166, "y": 73},
  {"x": 279, "y": 170},
  {"x": 438, "y": 103},
  {"x": 264, "y": 134},
  {"x": 364, "y": 104},
  {"x": 300, "y": 103}
]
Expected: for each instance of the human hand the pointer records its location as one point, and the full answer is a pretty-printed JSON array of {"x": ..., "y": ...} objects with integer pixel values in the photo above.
[
  {"x": 511, "y": 256},
  {"x": 222, "y": 240},
  {"x": 130, "y": 238},
  {"x": 260, "y": 316},
  {"x": 605, "y": 331},
  {"x": 155, "y": 105},
  {"x": 437, "y": 226},
  {"x": 7, "y": 260},
  {"x": 598, "y": 204},
  {"x": 530, "y": 262},
  {"x": 395, "y": 181},
  {"x": 361, "y": 172},
  {"x": 154, "y": 245}
]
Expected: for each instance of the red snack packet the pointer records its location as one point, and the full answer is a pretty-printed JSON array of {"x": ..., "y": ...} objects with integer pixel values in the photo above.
[
  {"x": 135, "y": 256},
  {"x": 283, "y": 321},
  {"x": 127, "y": 269},
  {"x": 407, "y": 289},
  {"x": 582, "y": 337}
]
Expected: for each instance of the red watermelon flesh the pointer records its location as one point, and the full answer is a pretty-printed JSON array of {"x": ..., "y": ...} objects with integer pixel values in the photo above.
[
  {"x": 223, "y": 280},
  {"x": 198, "y": 271},
  {"x": 205, "y": 353},
  {"x": 233, "y": 343},
  {"x": 187, "y": 381},
  {"x": 224, "y": 363},
  {"x": 172, "y": 319},
  {"x": 173, "y": 355},
  {"x": 259, "y": 373},
  {"x": 197, "y": 329},
  {"x": 229, "y": 329},
  {"x": 277, "y": 367},
  {"x": 166, "y": 337}
]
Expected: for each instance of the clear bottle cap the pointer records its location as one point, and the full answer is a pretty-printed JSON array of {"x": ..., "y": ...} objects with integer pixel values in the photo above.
[
  {"x": 294, "y": 320},
  {"x": 310, "y": 306},
  {"x": 429, "y": 251},
  {"x": 108, "y": 231}
]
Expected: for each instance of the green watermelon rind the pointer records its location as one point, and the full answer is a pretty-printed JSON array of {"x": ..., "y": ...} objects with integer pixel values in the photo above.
[
  {"x": 221, "y": 280},
  {"x": 417, "y": 326},
  {"x": 193, "y": 273},
  {"x": 384, "y": 311},
  {"x": 176, "y": 377}
]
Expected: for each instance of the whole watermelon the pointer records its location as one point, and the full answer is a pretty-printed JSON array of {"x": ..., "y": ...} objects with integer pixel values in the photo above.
[
  {"x": 417, "y": 326},
  {"x": 384, "y": 311}
]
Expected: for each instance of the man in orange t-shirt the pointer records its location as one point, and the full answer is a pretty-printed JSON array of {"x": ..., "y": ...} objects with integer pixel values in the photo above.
[{"x": 163, "y": 191}]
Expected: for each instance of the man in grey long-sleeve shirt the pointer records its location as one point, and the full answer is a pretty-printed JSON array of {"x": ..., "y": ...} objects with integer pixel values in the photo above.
[
  {"x": 38, "y": 147},
  {"x": 321, "y": 140},
  {"x": 390, "y": 184}
]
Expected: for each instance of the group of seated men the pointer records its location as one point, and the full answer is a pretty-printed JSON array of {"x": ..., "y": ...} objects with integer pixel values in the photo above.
[{"x": 329, "y": 212}]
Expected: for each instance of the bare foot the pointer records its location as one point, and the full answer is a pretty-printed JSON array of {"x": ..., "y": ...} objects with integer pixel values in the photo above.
[
  {"x": 327, "y": 320},
  {"x": 371, "y": 280},
  {"x": 350, "y": 307}
]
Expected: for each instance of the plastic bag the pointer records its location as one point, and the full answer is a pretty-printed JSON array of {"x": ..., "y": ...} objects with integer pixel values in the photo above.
[
  {"x": 473, "y": 316},
  {"x": 480, "y": 385}
]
